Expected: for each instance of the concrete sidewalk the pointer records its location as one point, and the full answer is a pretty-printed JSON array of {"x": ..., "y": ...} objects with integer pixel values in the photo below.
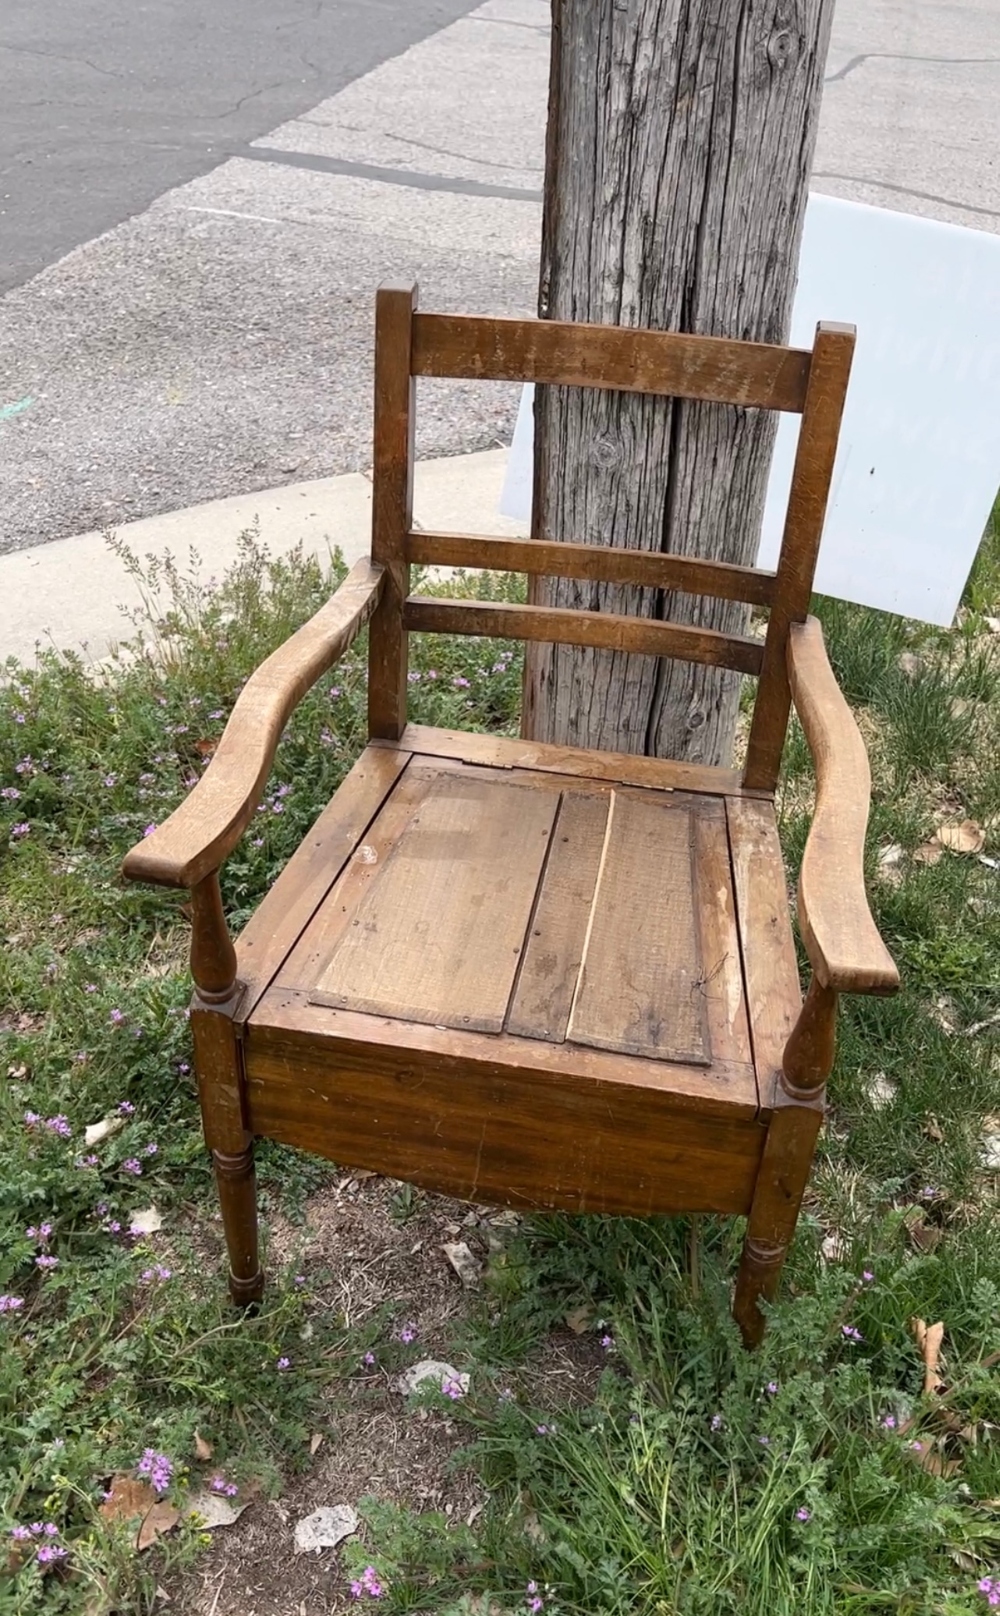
[{"x": 73, "y": 594}]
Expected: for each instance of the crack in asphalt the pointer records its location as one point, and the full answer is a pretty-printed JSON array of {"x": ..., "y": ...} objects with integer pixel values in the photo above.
[
  {"x": 57, "y": 56},
  {"x": 389, "y": 176},
  {"x": 908, "y": 190},
  {"x": 900, "y": 56}
]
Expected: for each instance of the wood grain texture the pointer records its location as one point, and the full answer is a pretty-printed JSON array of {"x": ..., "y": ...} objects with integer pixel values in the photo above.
[
  {"x": 203, "y": 831},
  {"x": 812, "y": 475},
  {"x": 287, "y": 907},
  {"x": 680, "y": 141},
  {"x": 670, "y": 363},
  {"x": 392, "y": 505},
  {"x": 438, "y": 935},
  {"x": 506, "y": 752},
  {"x": 841, "y": 938},
  {"x": 218, "y": 1063},
  {"x": 727, "y": 1090},
  {"x": 781, "y": 1182},
  {"x": 547, "y": 980},
  {"x": 595, "y": 561},
  {"x": 808, "y": 1058},
  {"x": 770, "y": 966},
  {"x": 500, "y": 619},
  {"x": 721, "y": 986},
  {"x": 488, "y": 1131},
  {"x": 641, "y": 972}
]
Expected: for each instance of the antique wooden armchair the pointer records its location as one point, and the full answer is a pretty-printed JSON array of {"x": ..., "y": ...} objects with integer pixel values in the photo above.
[{"x": 529, "y": 974}]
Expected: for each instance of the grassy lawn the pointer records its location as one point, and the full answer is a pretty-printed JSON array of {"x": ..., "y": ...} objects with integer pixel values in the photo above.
[{"x": 657, "y": 1469}]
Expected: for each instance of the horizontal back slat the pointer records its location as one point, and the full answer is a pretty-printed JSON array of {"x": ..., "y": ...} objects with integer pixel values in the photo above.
[
  {"x": 600, "y": 630},
  {"x": 650, "y": 569},
  {"x": 633, "y": 361}
]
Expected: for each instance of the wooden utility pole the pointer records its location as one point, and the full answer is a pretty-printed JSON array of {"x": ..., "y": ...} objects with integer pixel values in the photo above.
[{"x": 680, "y": 141}]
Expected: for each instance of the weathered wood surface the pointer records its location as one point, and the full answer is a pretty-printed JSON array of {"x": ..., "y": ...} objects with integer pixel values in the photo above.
[
  {"x": 210, "y": 821},
  {"x": 841, "y": 938},
  {"x": 392, "y": 506},
  {"x": 680, "y": 140},
  {"x": 762, "y": 375},
  {"x": 595, "y": 561},
  {"x": 503, "y": 619}
]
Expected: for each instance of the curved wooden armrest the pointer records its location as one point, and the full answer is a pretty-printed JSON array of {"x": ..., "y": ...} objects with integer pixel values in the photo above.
[
  {"x": 210, "y": 821},
  {"x": 843, "y": 944}
]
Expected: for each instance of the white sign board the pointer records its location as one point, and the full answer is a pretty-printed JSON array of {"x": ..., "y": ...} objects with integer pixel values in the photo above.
[{"x": 919, "y": 460}]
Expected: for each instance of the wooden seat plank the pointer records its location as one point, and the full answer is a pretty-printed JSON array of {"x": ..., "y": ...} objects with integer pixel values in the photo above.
[{"x": 437, "y": 937}]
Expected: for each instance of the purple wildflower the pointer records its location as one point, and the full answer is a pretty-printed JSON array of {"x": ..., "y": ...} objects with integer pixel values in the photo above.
[
  {"x": 148, "y": 831},
  {"x": 608, "y": 1343},
  {"x": 284, "y": 1363},
  {"x": 157, "y": 1467},
  {"x": 407, "y": 1334},
  {"x": 150, "y": 1275},
  {"x": 460, "y": 683},
  {"x": 50, "y": 1552},
  {"x": 151, "y": 1149},
  {"x": 369, "y": 1360},
  {"x": 32, "y": 1119},
  {"x": 126, "y": 1108},
  {"x": 132, "y": 1166},
  {"x": 889, "y": 1422},
  {"x": 217, "y": 1484},
  {"x": 231, "y": 1489},
  {"x": 803, "y": 1514},
  {"x": 22, "y": 829},
  {"x": 716, "y": 1422},
  {"x": 300, "y": 1279},
  {"x": 116, "y": 1017},
  {"x": 11, "y": 793},
  {"x": 772, "y": 1388},
  {"x": 543, "y": 1430},
  {"x": 46, "y": 1262},
  {"x": 851, "y": 1334},
  {"x": 452, "y": 1388},
  {"x": 765, "y": 1441},
  {"x": 20, "y": 1532},
  {"x": 60, "y": 1125},
  {"x": 867, "y": 1276}
]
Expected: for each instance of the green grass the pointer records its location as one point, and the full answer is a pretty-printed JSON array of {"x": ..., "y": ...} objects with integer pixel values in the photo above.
[{"x": 654, "y": 1492}]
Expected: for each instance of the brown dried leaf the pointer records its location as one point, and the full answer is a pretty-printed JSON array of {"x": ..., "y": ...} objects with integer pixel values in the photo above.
[
  {"x": 929, "y": 1338},
  {"x": 967, "y": 836},
  {"x": 205, "y": 748},
  {"x": 579, "y": 1319},
  {"x": 127, "y": 1498},
  {"x": 928, "y": 853},
  {"x": 932, "y": 1459},
  {"x": 162, "y": 1518},
  {"x": 315, "y": 1442},
  {"x": 926, "y": 1236},
  {"x": 203, "y": 1450},
  {"x": 932, "y": 1129}
]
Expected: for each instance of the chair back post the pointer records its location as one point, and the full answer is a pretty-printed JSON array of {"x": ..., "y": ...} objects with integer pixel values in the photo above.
[
  {"x": 829, "y": 373},
  {"x": 392, "y": 507}
]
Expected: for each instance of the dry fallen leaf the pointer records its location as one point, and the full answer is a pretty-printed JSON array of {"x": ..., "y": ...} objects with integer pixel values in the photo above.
[
  {"x": 212, "y": 1509},
  {"x": 993, "y": 624},
  {"x": 159, "y": 1520},
  {"x": 127, "y": 1498},
  {"x": 967, "y": 836},
  {"x": 928, "y": 853},
  {"x": 203, "y": 1450},
  {"x": 932, "y": 1129},
  {"x": 17, "y": 1072},
  {"x": 99, "y": 1131},
  {"x": 466, "y": 1266},
  {"x": 315, "y": 1442},
  {"x": 580, "y": 1318},
  {"x": 932, "y": 1459},
  {"x": 925, "y": 1236},
  {"x": 832, "y": 1248},
  {"x": 929, "y": 1338}
]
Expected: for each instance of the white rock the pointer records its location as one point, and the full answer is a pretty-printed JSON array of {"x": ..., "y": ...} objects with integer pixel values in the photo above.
[
  {"x": 99, "y": 1131},
  {"x": 213, "y": 1509},
  {"x": 146, "y": 1222},
  {"x": 430, "y": 1371},
  {"x": 325, "y": 1528},
  {"x": 466, "y": 1266}
]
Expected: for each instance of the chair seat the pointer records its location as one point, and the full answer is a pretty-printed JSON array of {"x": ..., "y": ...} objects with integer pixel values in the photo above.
[{"x": 525, "y": 974}]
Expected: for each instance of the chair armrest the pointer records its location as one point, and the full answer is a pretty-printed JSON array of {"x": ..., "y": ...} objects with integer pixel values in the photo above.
[
  {"x": 842, "y": 941},
  {"x": 210, "y": 821}
]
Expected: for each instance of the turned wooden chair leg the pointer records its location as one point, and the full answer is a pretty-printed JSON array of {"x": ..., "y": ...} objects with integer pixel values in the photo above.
[
  {"x": 787, "y": 1158},
  {"x": 221, "y": 1086}
]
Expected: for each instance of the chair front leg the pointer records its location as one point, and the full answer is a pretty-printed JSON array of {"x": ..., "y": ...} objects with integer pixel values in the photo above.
[
  {"x": 787, "y": 1158},
  {"x": 222, "y": 1087}
]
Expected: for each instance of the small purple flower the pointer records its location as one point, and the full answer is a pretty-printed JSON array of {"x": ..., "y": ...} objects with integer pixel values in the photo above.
[
  {"x": 90, "y": 987},
  {"x": 20, "y": 1532},
  {"x": 32, "y": 1119},
  {"x": 867, "y": 1276},
  {"x": 116, "y": 1017},
  {"x": 889, "y": 1422},
  {"x": 217, "y": 1484},
  {"x": 11, "y": 793},
  {"x": 157, "y": 1467},
  {"x": 126, "y": 1108},
  {"x": 803, "y": 1514},
  {"x": 407, "y": 1334},
  {"x": 218, "y": 713},
  {"x": 19, "y": 718},
  {"x": 608, "y": 1343},
  {"x": 543, "y": 1430},
  {"x": 452, "y": 1388},
  {"x": 149, "y": 829},
  {"x": 46, "y": 1262},
  {"x": 151, "y": 1149},
  {"x": 132, "y": 1166},
  {"x": 369, "y": 1360},
  {"x": 11, "y": 1304},
  {"x": 231, "y": 1489},
  {"x": 765, "y": 1441},
  {"x": 49, "y": 1553},
  {"x": 772, "y": 1388},
  {"x": 20, "y": 830},
  {"x": 413, "y": 676},
  {"x": 536, "y": 1604},
  {"x": 284, "y": 1363},
  {"x": 300, "y": 1279},
  {"x": 183, "y": 1068},
  {"x": 460, "y": 683},
  {"x": 157, "y": 1272},
  {"x": 59, "y": 1125},
  {"x": 716, "y": 1422},
  {"x": 851, "y": 1334}
]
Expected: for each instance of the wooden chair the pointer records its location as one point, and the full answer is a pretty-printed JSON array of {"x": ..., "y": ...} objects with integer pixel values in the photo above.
[{"x": 523, "y": 973}]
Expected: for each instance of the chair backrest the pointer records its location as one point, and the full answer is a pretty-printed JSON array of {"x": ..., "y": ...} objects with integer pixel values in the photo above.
[{"x": 748, "y": 374}]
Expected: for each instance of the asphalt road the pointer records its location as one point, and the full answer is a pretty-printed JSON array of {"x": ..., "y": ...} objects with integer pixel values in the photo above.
[{"x": 106, "y": 104}]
